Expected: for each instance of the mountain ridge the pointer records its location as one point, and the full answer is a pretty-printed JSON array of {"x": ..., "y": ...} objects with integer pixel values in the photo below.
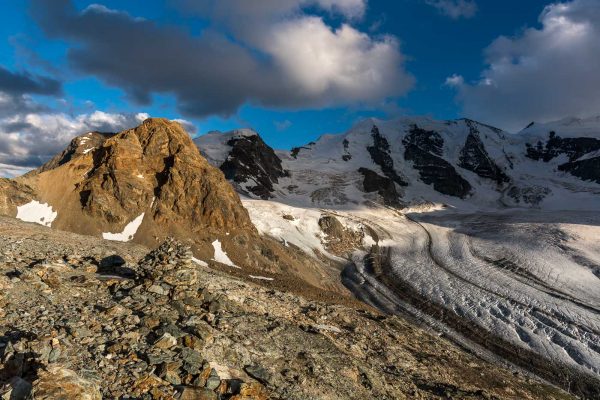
[{"x": 495, "y": 169}]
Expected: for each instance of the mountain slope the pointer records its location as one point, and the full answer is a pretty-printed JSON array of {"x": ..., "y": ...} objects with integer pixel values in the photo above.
[
  {"x": 486, "y": 236},
  {"x": 72, "y": 328},
  {"x": 149, "y": 183}
]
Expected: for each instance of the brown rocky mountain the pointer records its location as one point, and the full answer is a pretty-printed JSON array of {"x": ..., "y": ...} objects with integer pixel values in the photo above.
[{"x": 149, "y": 183}]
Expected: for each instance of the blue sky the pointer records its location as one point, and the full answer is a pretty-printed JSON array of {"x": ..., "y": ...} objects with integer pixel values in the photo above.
[{"x": 411, "y": 47}]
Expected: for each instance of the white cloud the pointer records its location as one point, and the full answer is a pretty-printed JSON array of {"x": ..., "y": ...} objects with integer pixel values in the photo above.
[
  {"x": 455, "y": 9},
  {"x": 30, "y": 137},
  {"x": 12, "y": 171},
  {"x": 454, "y": 80},
  {"x": 331, "y": 67},
  {"x": 542, "y": 74}
]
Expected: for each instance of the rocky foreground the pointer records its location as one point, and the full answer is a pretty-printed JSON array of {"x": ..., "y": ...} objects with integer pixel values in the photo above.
[{"x": 83, "y": 318}]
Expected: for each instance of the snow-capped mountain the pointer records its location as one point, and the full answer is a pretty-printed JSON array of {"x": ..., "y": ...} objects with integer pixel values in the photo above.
[
  {"x": 408, "y": 161},
  {"x": 488, "y": 237}
]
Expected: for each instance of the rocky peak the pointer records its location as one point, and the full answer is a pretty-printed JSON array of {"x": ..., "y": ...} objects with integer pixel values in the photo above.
[
  {"x": 80, "y": 145},
  {"x": 251, "y": 159},
  {"x": 142, "y": 184},
  {"x": 555, "y": 146},
  {"x": 157, "y": 166}
]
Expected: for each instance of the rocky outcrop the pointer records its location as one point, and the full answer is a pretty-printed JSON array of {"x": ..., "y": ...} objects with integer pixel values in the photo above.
[
  {"x": 572, "y": 148},
  {"x": 380, "y": 154},
  {"x": 340, "y": 240},
  {"x": 12, "y": 195},
  {"x": 384, "y": 186},
  {"x": 528, "y": 195},
  {"x": 475, "y": 158},
  {"x": 296, "y": 150},
  {"x": 251, "y": 159},
  {"x": 346, "y": 156},
  {"x": 586, "y": 168},
  {"x": 425, "y": 150}
]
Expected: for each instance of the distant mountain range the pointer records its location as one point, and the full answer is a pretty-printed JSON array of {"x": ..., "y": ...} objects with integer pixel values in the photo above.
[{"x": 462, "y": 163}]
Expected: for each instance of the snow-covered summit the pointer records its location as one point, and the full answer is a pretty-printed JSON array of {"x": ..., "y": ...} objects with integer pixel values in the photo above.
[
  {"x": 570, "y": 127},
  {"x": 461, "y": 163}
]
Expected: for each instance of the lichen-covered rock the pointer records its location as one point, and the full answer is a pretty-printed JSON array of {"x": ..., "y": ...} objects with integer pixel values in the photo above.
[{"x": 59, "y": 383}]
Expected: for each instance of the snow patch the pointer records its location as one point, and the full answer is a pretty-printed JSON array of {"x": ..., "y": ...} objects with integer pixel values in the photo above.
[
  {"x": 128, "y": 233},
  {"x": 40, "y": 213},
  {"x": 221, "y": 256},
  {"x": 262, "y": 278},
  {"x": 88, "y": 150},
  {"x": 200, "y": 262}
]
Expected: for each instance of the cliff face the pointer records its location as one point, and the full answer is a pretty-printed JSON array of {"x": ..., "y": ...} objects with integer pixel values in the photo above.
[
  {"x": 156, "y": 165},
  {"x": 143, "y": 184},
  {"x": 252, "y": 160}
]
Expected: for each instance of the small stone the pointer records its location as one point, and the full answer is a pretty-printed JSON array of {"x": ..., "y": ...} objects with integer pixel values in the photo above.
[
  {"x": 193, "y": 342},
  {"x": 54, "y": 355},
  {"x": 170, "y": 372},
  {"x": 258, "y": 373},
  {"x": 158, "y": 290},
  {"x": 147, "y": 384},
  {"x": 166, "y": 341},
  {"x": 192, "y": 361},
  {"x": 213, "y": 380},
  {"x": 16, "y": 389},
  {"x": 192, "y": 393},
  {"x": 117, "y": 311},
  {"x": 251, "y": 390}
]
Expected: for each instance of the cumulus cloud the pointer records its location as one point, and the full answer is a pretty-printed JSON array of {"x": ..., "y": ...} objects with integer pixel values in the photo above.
[
  {"x": 455, "y": 9},
  {"x": 455, "y": 80},
  {"x": 542, "y": 74},
  {"x": 31, "y": 135},
  {"x": 269, "y": 52}
]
